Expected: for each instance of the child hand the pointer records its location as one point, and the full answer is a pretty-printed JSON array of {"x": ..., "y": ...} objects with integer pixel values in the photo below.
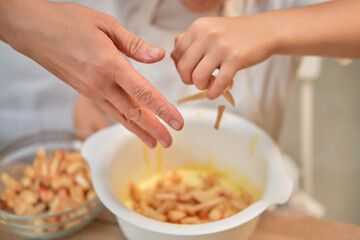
[
  {"x": 228, "y": 43},
  {"x": 88, "y": 117}
]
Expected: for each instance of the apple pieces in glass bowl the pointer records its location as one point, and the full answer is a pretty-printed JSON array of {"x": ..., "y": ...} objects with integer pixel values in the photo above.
[{"x": 46, "y": 196}]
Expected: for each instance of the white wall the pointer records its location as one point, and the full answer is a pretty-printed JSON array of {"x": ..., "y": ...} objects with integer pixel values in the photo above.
[{"x": 337, "y": 139}]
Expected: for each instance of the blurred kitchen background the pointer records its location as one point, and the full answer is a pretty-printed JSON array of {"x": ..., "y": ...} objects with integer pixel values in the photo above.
[{"x": 336, "y": 138}]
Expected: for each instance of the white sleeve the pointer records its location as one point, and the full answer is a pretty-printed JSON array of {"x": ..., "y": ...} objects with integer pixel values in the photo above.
[
  {"x": 252, "y": 6},
  {"x": 127, "y": 10},
  {"x": 122, "y": 10},
  {"x": 299, "y": 3}
]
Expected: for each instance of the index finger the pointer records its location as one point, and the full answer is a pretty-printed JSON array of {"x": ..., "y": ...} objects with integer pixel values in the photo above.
[
  {"x": 178, "y": 38},
  {"x": 182, "y": 43},
  {"x": 145, "y": 94}
]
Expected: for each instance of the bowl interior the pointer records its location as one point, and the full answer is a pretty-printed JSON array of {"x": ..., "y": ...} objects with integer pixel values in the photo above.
[
  {"x": 239, "y": 148},
  {"x": 199, "y": 145}
]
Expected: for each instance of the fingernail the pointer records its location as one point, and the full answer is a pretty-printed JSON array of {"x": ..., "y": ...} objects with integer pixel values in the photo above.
[
  {"x": 154, "y": 52},
  {"x": 150, "y": 144},
  {"x": 175, "y": 124},
  {"x": 163, "y": 143}
]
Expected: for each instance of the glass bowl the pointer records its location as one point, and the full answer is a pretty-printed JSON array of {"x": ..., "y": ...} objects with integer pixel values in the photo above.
[{"x": 13, "y": 157}]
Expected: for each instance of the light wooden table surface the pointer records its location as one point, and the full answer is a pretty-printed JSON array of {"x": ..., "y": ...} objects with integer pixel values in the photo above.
[{"x": 272, "y": 226}]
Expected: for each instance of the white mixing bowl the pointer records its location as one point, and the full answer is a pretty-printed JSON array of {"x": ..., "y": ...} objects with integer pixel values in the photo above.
[{"x": 115, "y": 156}]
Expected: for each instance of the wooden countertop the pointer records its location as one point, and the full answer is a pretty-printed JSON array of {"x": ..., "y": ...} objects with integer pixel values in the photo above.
[{"x": 272, "y": 226}]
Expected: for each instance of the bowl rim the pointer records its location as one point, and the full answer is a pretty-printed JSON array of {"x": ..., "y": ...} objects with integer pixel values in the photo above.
[
  {"x": 7, "y": 215},
  {"x": 125, "y": 214},
  {"x": 90, "y": 212},
  {"x": 29, "y": 139}
]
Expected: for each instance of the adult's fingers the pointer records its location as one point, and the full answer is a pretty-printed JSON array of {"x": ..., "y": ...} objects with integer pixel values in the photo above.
[
  {"x": 132, "y": 45},
  {"x": 139, "y": 115},
  {"x": 226, "y": 74},
  {"x": 130, "y": 125},
  {"x": 137, "y": 87},
  {"x": 188, "y": 62}
]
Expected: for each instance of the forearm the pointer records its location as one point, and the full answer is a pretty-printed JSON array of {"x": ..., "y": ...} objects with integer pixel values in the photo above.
[
  {"x": 330, "y": 29},
  {"x": 18, "y": 18}
]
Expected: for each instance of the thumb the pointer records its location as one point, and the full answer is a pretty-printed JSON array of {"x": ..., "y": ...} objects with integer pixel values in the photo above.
[{"x": 134, "y": 47}]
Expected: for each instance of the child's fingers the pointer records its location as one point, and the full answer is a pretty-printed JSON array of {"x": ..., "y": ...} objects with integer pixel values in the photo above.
[
  {"x": 182, "y": 43},
  {"x": 188, "y": 62},
  {"x": 225, "y": 76},
  {"x": 203, "y": 71},
  {"x": 178, "y": 38}
]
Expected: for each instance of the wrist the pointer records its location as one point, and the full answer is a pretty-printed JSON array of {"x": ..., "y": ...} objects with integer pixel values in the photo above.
[
  {"x": 289, "y": 32},
  {"x": 271, "y": 28},
  {"x": 277, "y": 31}
]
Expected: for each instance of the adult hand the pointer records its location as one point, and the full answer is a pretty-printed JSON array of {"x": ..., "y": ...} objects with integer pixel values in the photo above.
[
  {"x": 81, "y": 47},
  {"x": 228, "y": 44}
]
